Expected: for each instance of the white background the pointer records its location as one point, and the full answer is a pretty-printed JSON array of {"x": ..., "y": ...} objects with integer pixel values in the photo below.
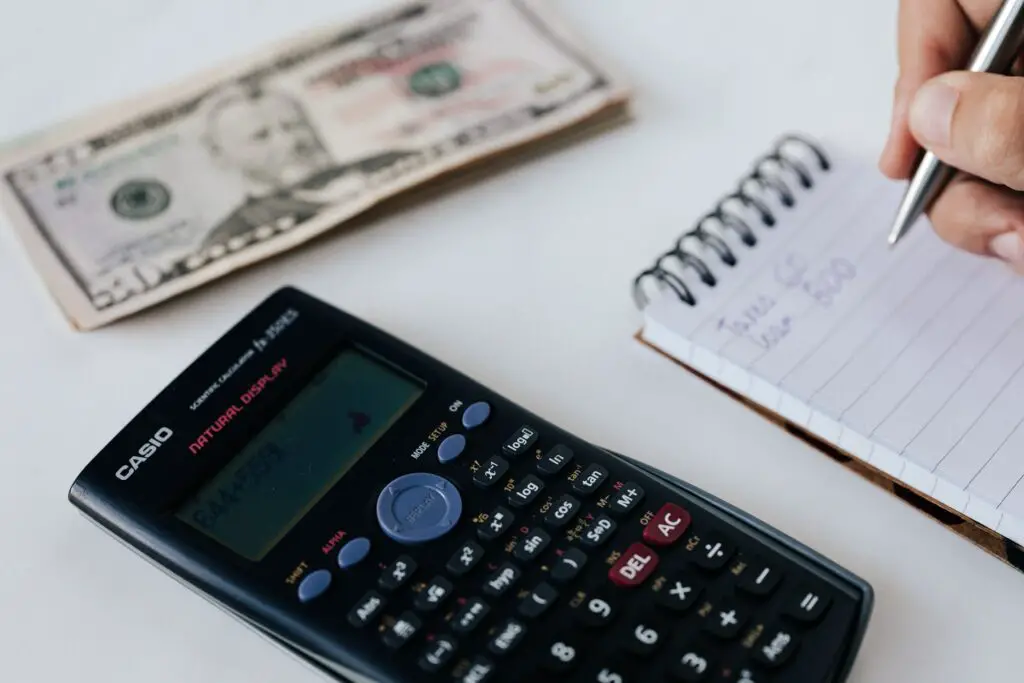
[{"x": 528, "y": 276}]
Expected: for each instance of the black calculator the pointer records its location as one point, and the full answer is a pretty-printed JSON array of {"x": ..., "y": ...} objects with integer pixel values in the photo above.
[{"x": 390, "y": 520}]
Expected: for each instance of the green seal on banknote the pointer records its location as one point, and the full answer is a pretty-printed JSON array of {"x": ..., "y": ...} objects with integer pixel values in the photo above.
[
  {"x": 435, "y": 80},
  {"x": 139, "y": 199}
]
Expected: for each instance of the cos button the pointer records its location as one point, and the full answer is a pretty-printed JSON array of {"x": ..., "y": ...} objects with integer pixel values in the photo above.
[{"x": 418, "y": 507}]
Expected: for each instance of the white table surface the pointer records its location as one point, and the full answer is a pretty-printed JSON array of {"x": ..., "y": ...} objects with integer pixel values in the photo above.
[{"x": 529, "y": 273}]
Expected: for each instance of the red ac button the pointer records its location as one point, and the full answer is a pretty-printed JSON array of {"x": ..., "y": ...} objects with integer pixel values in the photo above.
[{"x": 666, "y": 527}]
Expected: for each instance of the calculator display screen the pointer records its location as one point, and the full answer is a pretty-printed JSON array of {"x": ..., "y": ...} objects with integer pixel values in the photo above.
[{"x": 262, "y": 492}]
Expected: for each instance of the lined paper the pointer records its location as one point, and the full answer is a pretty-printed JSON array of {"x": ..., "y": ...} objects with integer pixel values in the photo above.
[{"x": 911, "y": 359}]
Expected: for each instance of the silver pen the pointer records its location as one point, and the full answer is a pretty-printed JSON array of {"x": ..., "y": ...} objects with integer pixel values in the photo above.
[{"x": 994, "y": 54}]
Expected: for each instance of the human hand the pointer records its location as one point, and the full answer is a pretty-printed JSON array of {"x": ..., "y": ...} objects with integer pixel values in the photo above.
[{"x": 971, "y": 121}]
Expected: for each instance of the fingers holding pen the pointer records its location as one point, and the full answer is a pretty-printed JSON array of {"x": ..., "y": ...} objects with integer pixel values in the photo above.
[{"x": 981, "y": 218}]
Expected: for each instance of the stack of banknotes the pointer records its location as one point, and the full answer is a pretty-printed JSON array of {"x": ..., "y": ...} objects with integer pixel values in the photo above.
[{"x": 145, "y": 200}]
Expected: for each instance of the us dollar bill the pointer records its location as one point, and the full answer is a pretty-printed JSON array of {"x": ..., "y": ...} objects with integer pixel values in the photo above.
[{"x": 153, "y": 197}]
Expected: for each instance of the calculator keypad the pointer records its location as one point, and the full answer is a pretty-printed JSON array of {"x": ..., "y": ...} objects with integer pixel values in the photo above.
[{"x": 563, "y": 570}]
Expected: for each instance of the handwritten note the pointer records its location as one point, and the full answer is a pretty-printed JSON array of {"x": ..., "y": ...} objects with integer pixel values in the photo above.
[{"x": 918, "y": 352}]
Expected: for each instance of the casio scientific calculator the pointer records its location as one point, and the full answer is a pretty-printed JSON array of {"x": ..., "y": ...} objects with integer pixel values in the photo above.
[{"x": 388, "y": 519}]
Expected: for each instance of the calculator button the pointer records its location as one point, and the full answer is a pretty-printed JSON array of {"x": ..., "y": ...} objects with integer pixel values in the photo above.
[
  {"x": 437, "y": 653},
  {"x": 397, "y": 573},
  {"x": 625, "y": 499},
  {"x": 597, "y": 611},
  {"x": 776, "y": 647},
  {"x": 712, "y": 554},
  {"x": 526, "y": 491},
  {"x": 532, "y": 545},
  {"x": 562, "y": 512},
  {"x": 470, "y": 616},
  {"x": 480, "y": 670},
  {"x": 645, "y": 636},
  {"x": 506, "y": 637},
  {"x": 451, "y": 448},
  {"x": 418, "y": 507},
  {"x": 725, "y": 621},
  {"x": 521, "y": 441},
  {"x": 314, "y": 585},
  {"x": 353, "y": 552},
  {"x": 476, "y": 414},
  {"x": 612, "y": 674},
  {"x": 537, "y": 601},
  {"x": 590, "y": 480},
  {"x": 497, "y": 523},
  {"x": 465, "y": 558},
  {"x": 679, "y": 593},
  {"x": 667, "y": 526},
  {"x": 561, "y": 657},
  {"x": 598, "y": 532},
  {"x": 433, "y": 594},
  {"x": 693, "y": 664},
  {"x": 367, "y": 609},
  {"x": 759, "y": 579},
  {"x": 634, "y": 566},
  {"x": 502, "y": 579},
  {"x": 555, "y": 460},
  {"x": 491, "y": 472},
  {"x": 808, "y": 605},
  {"x": 404, "y": 628},
  {"x": 568, "y": 565},
  {"x": 743, "y": 676}
]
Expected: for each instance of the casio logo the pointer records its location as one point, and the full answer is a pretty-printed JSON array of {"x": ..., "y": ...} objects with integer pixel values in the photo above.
[{"x": 146, "y": 451}]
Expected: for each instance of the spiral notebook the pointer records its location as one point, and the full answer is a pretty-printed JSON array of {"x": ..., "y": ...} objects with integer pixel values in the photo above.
[{"x": 905, "y": 364}]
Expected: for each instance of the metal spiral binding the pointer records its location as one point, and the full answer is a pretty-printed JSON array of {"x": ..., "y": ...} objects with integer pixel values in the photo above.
[{"x": 766, "y": 176}]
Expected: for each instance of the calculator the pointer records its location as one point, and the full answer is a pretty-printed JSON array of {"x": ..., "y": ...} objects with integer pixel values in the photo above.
[{"x": 388, "y": 519}]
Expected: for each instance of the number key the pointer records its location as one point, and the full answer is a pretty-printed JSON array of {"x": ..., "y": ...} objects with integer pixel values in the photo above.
[
  {"x": 560, "y": 657},
  {"x": 590, "y": 480},
  {"x": 610, "y": 674},
  {"x": 526, "y": 491},
  {"x": 645, "y": 636},
  {"x": 691, "y": 665},
  {"x": 598, "y": 611}
]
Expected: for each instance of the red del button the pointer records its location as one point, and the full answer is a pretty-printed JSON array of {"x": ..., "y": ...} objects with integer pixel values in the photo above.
[
  {"x": 635, "y": 565},
  {"x": 666, "y": 527}
]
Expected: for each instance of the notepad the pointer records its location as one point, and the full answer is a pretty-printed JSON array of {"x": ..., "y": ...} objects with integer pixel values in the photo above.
[{"x": 910, "y": 359}]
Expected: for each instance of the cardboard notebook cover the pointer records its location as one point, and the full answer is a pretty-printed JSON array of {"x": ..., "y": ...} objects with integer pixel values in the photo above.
[{"x": 992, "y": 542}]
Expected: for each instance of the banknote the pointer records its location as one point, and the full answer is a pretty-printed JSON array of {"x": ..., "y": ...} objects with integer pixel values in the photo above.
[{"x": 147, "y": 199}]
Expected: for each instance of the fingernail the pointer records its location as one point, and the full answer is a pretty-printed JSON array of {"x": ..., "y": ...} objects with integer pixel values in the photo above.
[
  {"x": 931, "y": 113},
  {"x": 1009, "y": 247}
]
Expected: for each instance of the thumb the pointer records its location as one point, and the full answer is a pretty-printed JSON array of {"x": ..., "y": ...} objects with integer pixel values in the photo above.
[{"x": 973, "y": 122}]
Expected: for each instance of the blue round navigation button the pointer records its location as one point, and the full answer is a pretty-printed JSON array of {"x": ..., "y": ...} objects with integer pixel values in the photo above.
[
  {"x": 353, "y": 552},
  {"x": 418, "y": 507},
  {"x": 476, "y": 414}
]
